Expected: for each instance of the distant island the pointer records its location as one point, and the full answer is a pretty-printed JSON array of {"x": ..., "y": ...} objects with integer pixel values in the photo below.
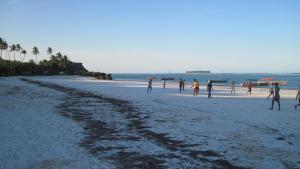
[{"x": 198, "y": 71}]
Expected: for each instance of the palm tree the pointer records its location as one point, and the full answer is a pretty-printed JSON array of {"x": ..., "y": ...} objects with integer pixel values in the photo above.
[
  {"x": 24, "y": 52},
  {"x": 3, "y": 45},
  {"x": 19, "y": 49},
  {"x": 49, "y": 51},
  {"x": 35, "y": 51},
  {"x": 59, "y": 55},
  {"x": 65, "y": 60},
  {"x": 13, "y": 49}
]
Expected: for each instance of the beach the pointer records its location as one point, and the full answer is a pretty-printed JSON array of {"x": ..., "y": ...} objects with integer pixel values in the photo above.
[{"x": 82, "y": 122}]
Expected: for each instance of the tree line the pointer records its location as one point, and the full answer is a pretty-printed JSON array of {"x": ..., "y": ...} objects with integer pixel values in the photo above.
[{"x": 12, "y": 63}]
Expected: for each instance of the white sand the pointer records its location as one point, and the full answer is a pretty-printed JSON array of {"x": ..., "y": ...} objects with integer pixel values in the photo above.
[
  {"x": 33, "y": 135},
  {"x": 240, "y": 127}
]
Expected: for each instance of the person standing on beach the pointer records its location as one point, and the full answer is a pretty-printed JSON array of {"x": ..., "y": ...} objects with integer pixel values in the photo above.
[
  {"x": 180, "y": 85},
  {"x": 249, "y": 87},
  {"x": 232, "y": 87},
  {"x": 164, "y": 84},
  {"x": 209, "y": 88},
  {"x": 298, "y": 97},
  {"x": 196, "y": 87},
  {"x": 271, "y": 90},
  {"x": 149, "y": 86},
  {"x": 276, "y": 97},
  {"x": 183, "y": 83}
]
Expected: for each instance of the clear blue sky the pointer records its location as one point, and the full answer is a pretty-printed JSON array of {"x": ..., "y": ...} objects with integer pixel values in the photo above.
[{"x": 160, "y": 35}]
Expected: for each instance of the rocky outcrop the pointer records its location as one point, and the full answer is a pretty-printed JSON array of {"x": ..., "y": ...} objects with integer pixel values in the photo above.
[
  {"x": 78, "y": 68},
  {"x": 98, "y": 75}
]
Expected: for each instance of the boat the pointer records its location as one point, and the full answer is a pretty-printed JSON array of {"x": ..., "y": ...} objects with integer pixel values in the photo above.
[
  {"x": 264, "y": 82},
  {"x": 282, "y": 83},
  {"x": 167, "y": 78},
  {"x": 151, "y": 78},
  {"x": 218, "y": 81},
  {"x": 255, "y": 83},
  {"x": 253, "y": 80},
  {"x": 267, "y": 79}
]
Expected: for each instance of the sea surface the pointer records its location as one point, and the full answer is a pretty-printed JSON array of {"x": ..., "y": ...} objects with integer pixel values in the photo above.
[{"x": 292, "y": 79}]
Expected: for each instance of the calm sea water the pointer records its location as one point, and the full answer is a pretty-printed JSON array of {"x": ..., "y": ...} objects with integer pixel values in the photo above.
[{"x": 292, "y": 79}]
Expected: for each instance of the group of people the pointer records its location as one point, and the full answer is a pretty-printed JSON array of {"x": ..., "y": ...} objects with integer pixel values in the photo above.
[
  {"x": 196, "y": 88},
  {"x": 274, "y": 90}
]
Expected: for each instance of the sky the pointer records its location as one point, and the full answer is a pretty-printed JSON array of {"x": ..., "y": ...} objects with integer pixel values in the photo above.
[{"x": 160, "y": 36}]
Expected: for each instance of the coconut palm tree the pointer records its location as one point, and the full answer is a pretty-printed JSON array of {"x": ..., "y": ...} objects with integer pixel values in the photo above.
[
  {"x": 24, "y": 52},
  {"x": 19, "y": 49},
  {"x": 59, "y": 55},
  {"x": 3, "y": 45},
  {"x": 49, "y": 51},
  {"x": 65, "y": 60},
  {"x": 35, "y": 51},
  {"x": 13, "y": 49}
]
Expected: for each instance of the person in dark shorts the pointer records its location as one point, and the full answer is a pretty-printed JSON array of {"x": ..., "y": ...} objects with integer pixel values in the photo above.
[
  {"x": 298, "y": 97},
  {"x": 149, "y": 86},
  {"x": 209, "y": 88},
  {"x": 276, "y": 97},
  {"x": 232, "y": 86},
  {"x": 249, "y": 87},
  {"x": 271, "y": 90},
  {"x": 180, "y": 85}
]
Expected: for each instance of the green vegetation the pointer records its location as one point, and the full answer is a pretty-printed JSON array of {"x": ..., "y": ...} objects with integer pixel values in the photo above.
[{"x": 57, "y": 64}]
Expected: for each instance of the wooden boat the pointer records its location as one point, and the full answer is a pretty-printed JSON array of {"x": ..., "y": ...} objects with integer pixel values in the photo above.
[
  {"x": 264, "y": 83},
  {"x": 267, "y": 79},
  {"x": 167, "y": 78},
  {"x": 218, "y": 81},
  {"x": 151, "y": 77},
  {"x": 255, "y": 83},
  {"x": 282, "y": 83}
]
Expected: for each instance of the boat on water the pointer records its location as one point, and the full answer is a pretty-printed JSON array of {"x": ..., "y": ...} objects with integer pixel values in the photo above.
[
  {"x": 282, "y": 83},
  {"x": 167, "y": 78},
  {"x": 263, "y": 82},
  {"x": 151, "y": 78},
  {"x": 218, "y": 81},
  {"x": 255, "y": 84}
]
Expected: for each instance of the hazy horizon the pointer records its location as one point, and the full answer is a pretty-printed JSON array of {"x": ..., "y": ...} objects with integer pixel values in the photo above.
[{"x": 172, "y": 36}]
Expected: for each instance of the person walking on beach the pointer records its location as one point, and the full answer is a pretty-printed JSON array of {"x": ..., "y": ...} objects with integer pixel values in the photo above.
[
  {"x": 183, "y": 83},
  {"x": 271, "y": 90},
  {"x": 180, "y": 85},
  {"x": 209, "y": 88},
  {"x": 298, "y": 97},
  {"x": 276, "y": 97},
  {"x": 164, "y": 84},
  {"x": 249, "y": 87},
  {"x": 149, "y": 86},
  {"x": 232, "y": 87},
  {"x": 196, "y": 87}
]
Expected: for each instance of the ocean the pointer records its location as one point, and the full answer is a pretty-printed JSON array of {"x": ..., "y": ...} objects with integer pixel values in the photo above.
[{"x": 292, "y": 79}]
